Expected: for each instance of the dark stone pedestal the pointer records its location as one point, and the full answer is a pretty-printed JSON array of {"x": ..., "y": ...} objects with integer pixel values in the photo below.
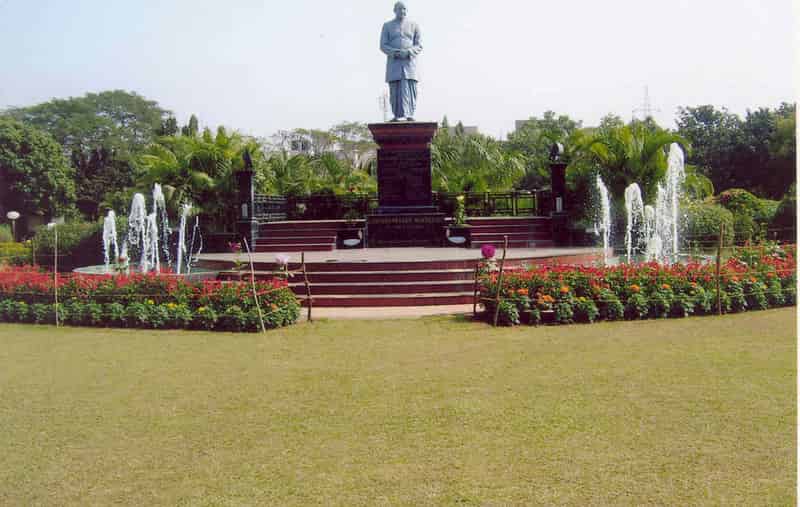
[
  {"x": 405, "y": 229},
  {"x": 404, "y": 166},
  {"x": 406, "y": 215}
]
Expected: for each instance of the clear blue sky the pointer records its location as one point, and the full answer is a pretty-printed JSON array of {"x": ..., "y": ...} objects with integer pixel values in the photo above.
[{"x": 264, "y": 65}]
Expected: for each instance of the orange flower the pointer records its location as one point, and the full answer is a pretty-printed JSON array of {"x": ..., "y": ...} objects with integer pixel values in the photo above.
[
  {"x": 666, "y": 286},
  {"x": 634, "y": 288},
  {"x": 564, "y": 289},
  {"x": 734, "y": 278},
  {"x": 753, "y": 279},
  {"x": 273, "y": 307},
  {"x": 522, "y": 292}
]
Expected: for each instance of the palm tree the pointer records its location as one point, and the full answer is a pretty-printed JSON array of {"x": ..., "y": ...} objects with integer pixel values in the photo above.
[
  {"x": 635, "y": 153},
  {"x": 472, "y": 163}
]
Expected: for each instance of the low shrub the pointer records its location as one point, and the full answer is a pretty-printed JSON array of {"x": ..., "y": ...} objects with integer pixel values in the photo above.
[
  {"x": 703, "y": 222},
  {"x": 753, "y": 277},
  {"x": 15, "y": 254},
  {"x": 585, "y": 310}
]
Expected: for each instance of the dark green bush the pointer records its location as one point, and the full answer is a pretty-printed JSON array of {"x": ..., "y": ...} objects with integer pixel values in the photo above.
[
  {"x": 205, "y": 318},
  {"x": 784, "y": 223},
  {"x": 233, "y": 318},
  {"x": 636, "y": 307},
  {"x": 682, "y": 305},
  {"x": 703, "y": 221},
  {"x": 79, "y": 243},
  {"x": 114, "y": 314},
  {"x": 735, "y": 292},
  {"x": 5, "y": 234},
  {"x": 15, "y": 253},
  {"x": 750, "y": 213},
  {"x": 609, "y": 306},
  {"x": 585, "y": 310},
  {"x": 137, "y": 315},
  {"x": 661, "y": 302}
]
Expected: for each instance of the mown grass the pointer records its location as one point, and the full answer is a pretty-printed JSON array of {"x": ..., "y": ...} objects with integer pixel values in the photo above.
[{"x": 431, "y": 411}]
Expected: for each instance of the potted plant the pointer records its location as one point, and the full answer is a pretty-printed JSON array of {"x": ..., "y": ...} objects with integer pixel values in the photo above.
[
  {"x": 351, "y": 234},
  {"x": 458, "y": 233}
]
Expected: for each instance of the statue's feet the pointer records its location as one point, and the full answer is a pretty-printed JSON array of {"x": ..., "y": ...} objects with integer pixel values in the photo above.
[
  {"x": 394, "y": 119},
  {"x": 408, "y": 118}
]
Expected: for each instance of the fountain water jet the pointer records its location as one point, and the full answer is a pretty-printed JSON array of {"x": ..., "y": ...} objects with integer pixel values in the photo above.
[
  {"x": 634, "y": 207},
  {"x": 602, "y": 224}
]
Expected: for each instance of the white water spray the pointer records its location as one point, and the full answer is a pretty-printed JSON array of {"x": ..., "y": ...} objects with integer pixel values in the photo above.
[
  {"x": 602, "y": 224},
  {"x": 634, "y": 207},
  {"x": 110, "y": 238}
]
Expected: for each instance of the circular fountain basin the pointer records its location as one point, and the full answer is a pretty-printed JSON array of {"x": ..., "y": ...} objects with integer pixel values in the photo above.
[{"x": 197, "y": 274}]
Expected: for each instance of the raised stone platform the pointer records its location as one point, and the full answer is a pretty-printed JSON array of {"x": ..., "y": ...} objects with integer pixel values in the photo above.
[{"x": 378, "y": 277}]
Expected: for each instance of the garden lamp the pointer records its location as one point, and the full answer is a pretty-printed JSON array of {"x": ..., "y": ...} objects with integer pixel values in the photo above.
[{"x": 13, "y": 216}]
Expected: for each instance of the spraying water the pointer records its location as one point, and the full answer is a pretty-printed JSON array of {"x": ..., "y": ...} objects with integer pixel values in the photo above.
[
  {"x": 110, "y": 238},
  {"x": 137, "y": 218},
  {"x": 179, "y": 256},
  {"x": 162, "y": 219},
  {"x": 634, "y": 207},
  {"x": 602, "y": 224}
]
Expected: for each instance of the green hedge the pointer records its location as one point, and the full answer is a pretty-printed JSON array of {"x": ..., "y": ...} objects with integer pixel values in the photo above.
[
  {"x": 703, "y": 221},
  {"x": 79, "y": 243},
  {"x": 5, "y": 234},
  {"x": 784, "y": 223},
  {"x": 750, "y": 213},
  {"x": 15, "y": 253}
]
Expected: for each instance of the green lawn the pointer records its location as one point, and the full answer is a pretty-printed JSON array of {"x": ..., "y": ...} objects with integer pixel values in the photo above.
[{"x": 413, "y": 412}]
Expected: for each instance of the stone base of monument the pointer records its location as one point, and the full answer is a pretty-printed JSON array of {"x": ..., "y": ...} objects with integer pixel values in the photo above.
[{"x": 405, "y": 229}]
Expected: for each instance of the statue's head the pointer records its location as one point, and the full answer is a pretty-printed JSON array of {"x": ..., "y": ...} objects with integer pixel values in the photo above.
[{"x": 400, "y": 10}]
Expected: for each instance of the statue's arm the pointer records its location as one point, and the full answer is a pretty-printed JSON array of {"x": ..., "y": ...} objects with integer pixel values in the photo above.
[
  {"x": 417, "y": 47},
  {"x": 385, "y": 46}
]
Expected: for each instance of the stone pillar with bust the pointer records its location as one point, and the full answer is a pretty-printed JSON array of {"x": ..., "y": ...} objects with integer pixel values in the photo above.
[
  {"x": 246, "y": 223},
  {"x": 406, "y": 215},
  {"x": 559, "y": 218}
]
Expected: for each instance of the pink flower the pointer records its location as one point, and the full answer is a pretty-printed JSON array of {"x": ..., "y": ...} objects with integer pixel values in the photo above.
[{"x": 488, "y": 251}]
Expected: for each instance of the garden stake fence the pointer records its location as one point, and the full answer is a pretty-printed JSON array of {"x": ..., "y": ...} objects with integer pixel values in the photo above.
[
  {"x": 253, "y": 284},
  {"x": 500, "y": 281},
  {"x": 719, "y": 268},
  {"x": 475, "y": 292},
  {"x": 308, "y": 285}
]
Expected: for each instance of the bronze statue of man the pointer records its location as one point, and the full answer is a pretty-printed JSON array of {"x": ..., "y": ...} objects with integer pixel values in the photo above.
[{"x": 400, "y": 40}]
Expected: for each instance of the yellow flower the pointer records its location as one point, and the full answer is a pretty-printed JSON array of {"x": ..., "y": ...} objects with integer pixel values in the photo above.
[
  {"x": 202, "y": 309},
  {"x": 150, "y": 302}
]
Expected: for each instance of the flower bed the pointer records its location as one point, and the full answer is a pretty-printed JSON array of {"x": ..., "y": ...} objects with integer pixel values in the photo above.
[
  {"x": 755, "y": 278},
  {"x": 144, "y": 301}
]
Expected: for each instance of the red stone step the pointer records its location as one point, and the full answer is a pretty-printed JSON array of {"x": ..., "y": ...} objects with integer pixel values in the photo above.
[
  {"x": 499, "y": 236},
  {"x": 265, "y": 232},
  {"x": 392, "y": 276},
  {"x": 508, "y": 220},
  {"x": 383, "y": 288},
  {"x": 296, "y": 247},
  {"x": 295, "y": 240},
  {"x": 510, "y": 228},
  {"x": 444, "y": 298},
  {"x": 534, "y": 243}
]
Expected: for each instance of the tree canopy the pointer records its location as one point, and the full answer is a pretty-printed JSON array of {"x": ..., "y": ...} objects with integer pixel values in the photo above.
[{"x": 35, "y": 176}]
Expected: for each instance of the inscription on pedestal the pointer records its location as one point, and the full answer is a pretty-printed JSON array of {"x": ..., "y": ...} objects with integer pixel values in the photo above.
[{"x": 413, "y": 229}]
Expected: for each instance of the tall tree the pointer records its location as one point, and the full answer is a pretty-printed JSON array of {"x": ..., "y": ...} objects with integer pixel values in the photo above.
[
  {"x": 534, "y": 139},
  {"x": 35, "y": 176},
  {"x": 102, "y": 134}
]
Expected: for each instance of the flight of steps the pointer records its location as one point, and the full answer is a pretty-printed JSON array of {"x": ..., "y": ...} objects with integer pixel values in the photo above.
[
  {"x": 354, "y": 284},
  {"x": 522, "y": 232},
  {"x": 300, "y": 236}
]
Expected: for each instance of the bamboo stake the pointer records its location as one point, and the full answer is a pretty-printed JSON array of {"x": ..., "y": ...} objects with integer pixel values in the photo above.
[
  {"x": 500, "y": 282},
  {"x": 55, "y": 267},
  {"x": 253, "y": 284},
  {"x": 308, "y": 285},
  {"x": 475, "y": 293},
  {"x": 719, "y": 263}
]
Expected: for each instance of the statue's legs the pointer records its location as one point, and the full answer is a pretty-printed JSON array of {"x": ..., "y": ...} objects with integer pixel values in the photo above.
[{"x": 403, "y": 96}]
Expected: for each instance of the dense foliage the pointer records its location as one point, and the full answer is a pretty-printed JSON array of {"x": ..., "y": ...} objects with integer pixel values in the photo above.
[
  {"x": 144, "y": 301},
  {"x": 101, "y": 133},
  {"x": 35, "y": 177},
  {"x": 757, "y": 152},
  {"x": 753, "y": 279}
]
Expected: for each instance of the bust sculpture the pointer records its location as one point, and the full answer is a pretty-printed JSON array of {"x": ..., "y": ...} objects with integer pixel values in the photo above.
[{"x": 400, "y": 41}]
